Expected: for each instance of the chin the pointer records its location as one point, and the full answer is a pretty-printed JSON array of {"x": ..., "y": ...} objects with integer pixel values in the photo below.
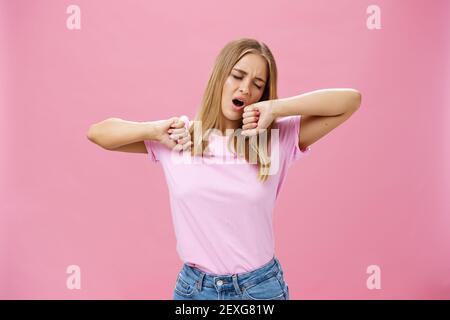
[{"x": 233, "y": 115}]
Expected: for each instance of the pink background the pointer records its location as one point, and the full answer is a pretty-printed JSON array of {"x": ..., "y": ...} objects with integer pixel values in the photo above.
[{"x": 374, "y": 191}]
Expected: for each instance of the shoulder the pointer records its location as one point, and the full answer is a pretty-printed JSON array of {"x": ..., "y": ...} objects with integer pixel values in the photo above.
[
  {"x": 286, "y": 121},
  {"x": 287, "y": 125}
]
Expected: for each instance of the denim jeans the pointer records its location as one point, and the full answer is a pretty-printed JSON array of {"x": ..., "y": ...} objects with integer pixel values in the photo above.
[{"x": 264, "y": 283}]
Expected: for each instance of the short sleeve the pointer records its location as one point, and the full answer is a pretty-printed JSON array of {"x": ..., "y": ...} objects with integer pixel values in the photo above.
[
  {"x": 298, "y": 153},
  {"x": 153, "y": 149},
  {"x": 289, "y": 137}
]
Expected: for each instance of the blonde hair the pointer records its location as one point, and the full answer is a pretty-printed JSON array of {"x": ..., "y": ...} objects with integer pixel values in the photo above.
[{"x": 210, "y": 115}]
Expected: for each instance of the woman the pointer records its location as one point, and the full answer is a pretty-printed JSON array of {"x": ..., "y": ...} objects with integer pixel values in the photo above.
[{"x": 225, "y": 169}]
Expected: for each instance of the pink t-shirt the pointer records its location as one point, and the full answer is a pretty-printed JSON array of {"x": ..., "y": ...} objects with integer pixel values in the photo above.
[{"x": 221, "y": 212}]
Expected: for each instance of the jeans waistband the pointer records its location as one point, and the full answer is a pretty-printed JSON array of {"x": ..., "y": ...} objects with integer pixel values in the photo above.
[{"x": 211, "y": 280}]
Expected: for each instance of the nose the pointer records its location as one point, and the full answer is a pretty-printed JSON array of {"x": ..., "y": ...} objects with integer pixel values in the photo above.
[{"x": 244, "y": 90}]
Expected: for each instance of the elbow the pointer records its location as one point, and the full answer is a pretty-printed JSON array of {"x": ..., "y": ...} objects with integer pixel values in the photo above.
[
  {"x": 90, "y": 134},
  {"x": 93, "y": 135},
  {"x": 98, "y": 133},
  {"x": 355, "y": 99},
  {"x": 358, "y": 99}
]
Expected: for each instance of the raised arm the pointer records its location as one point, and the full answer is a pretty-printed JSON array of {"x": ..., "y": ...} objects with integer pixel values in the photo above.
[
  {"x": 114, "y": 133},
  {"x": 128, "y": 136},
  {"x": 321, "y": 111}
]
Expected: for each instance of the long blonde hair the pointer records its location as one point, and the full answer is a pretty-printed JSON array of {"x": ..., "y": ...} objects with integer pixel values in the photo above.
[{"x": 210, "y": 115}]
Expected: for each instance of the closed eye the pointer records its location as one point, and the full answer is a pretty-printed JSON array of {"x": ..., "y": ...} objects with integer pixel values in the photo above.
[{"x": 241, "y": 79}]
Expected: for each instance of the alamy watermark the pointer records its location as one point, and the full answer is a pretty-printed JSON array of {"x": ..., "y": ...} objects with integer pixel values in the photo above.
[
  {"x": 257, "y": 144},
  {"x": 374, "y": 280},
  {"x": 73, "y": 281}
]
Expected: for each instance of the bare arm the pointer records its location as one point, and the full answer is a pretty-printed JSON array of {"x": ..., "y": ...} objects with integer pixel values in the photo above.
[
  {"x": 321, "y": 111},
  {"x": 128, "y": 136},
  {"x": 323, "y": 102},
  {"x": 114, "y": 133}
]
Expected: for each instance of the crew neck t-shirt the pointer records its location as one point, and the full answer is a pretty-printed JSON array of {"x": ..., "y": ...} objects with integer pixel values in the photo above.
[{"x": 221, "y": 212}]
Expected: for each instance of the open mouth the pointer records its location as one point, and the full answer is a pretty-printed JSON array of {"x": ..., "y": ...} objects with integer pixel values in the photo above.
[{"x": 238, "y": 103}]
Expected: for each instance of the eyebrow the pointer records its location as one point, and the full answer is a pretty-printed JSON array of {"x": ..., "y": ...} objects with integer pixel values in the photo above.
[{"x": 257, "y": 78}]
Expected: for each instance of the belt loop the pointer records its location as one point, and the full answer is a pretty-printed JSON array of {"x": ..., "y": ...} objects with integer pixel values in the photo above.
[
  {"x": 236, "y": 284},
  {"x": 277, "y": 263},
  {"x": 200, "y": 281}
]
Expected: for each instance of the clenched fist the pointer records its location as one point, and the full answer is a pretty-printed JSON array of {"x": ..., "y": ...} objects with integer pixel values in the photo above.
[
  {"x": 173, "y": 133},
  {"x": 257, "y": 117}
]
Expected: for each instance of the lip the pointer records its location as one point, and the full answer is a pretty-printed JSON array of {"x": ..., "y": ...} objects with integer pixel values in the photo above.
[
  {"x": 241, "y": 98},
  {"x": 239, "y": 108}
]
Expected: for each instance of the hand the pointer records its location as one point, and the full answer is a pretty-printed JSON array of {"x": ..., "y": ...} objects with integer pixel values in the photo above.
[
  {"x": 257, "y": 117},
  {"x": 179, "y": 133},
  {"x": 173, "y": 134}
]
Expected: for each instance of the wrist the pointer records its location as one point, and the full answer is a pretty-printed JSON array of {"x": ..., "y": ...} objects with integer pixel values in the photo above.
[
  {"x": 275, "y": 110},
  {"x": 283, "y": 107},
  {"x": 151, "y": 131}
]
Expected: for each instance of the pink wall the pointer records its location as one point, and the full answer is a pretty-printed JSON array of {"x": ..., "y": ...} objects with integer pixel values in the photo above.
[{"x": 373, "y": 192}]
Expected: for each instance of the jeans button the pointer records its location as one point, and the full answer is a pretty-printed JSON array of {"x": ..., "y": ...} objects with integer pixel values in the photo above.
[{"x": 219, "y": 282}]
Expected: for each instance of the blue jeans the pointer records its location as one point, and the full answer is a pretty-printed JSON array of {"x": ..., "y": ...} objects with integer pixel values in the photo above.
[{"x": 264, "y": 283}]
